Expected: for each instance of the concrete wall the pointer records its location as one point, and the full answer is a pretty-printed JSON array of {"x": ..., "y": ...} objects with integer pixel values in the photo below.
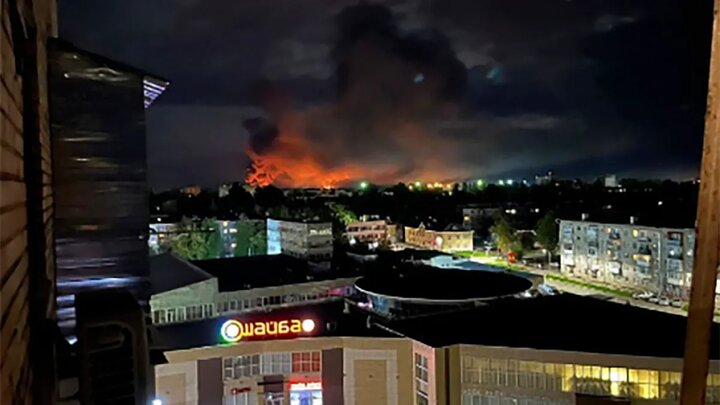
[{"x": 26, "y": 202}]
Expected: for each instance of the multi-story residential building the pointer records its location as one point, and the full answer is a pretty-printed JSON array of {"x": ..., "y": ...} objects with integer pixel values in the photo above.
[
  {"x": 641, "y": 257},
  {"x": 245, "y": 231},
  {"x": 367, "y": 231},
  {"x": 446, "y": 241},
  {"x": 306, "y": 240},
  {"x": 184, "y": 291},
  {"x": 339, "y": 354}
]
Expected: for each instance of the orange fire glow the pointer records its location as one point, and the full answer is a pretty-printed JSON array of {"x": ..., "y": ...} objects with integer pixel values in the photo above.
[{"x": 296, "y": 160}]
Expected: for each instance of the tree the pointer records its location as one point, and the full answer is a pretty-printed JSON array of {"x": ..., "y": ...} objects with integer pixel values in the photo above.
[
  {"x": 250, "y": 238},
  {"x": 197, "y": 241},
  {"x": 547, "y": 233},
  {"x": 268, "y": 197},
  {"x": 342, "y": 213},
  {"x": 504, "y": 234}
]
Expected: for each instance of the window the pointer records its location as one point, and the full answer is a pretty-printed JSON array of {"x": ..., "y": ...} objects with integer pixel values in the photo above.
[
  {"x": 159, "y": 316},
  {"x": 171, "y": 315},
  {"x": 233, "y": 305},
  {"x": 276, "y": 363},
  {"x": 241, "y": 398},
  {"x": 421, "y": 379},
  {"x": 228, "y": 368},
  {"x": 306, "y": 362},
  {"x": 246, "y": 366},
  {"x": 181, "y": 314},
  {"x": 225, "y": 306}
]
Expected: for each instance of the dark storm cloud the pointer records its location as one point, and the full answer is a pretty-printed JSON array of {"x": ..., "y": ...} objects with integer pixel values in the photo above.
[{"x": 550, "y": 83}]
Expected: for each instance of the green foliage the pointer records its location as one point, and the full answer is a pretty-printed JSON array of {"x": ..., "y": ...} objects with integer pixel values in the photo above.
[
  {"x": 504, "y": 234},
  {"x": 547, "y": 232},
  {"x": 250, "y": 239},
  {"x": 197, "y": 240},
  {"x": 342, "y": 213}
]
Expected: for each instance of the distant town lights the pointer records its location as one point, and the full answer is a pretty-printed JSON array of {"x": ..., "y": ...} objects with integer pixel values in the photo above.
[
  {"x": 501, "y": 182},
  {"x": 363, "y": 185},
  {"x": 509, "y": 182}
]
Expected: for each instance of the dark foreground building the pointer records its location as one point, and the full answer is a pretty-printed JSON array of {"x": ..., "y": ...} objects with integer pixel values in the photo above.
[{"x": 97, "y": 117}]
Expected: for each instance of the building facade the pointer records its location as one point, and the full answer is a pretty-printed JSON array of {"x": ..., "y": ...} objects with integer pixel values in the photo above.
[
  {"x": 445, "y": 241},
  {"x": 193, "y": 294},
  {"x": 404, "y": 371},
  {"x": 659, "y": 260},
  {"x": 26, "y": 202},
  {"x": 304, "y": 240},
  {"x": 101, "y": 190},
  {"x": 475, "y": 217},
  {"x": 374, "y": 231}
]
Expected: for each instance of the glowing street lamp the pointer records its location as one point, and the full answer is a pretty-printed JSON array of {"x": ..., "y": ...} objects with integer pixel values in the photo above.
[
  {"x": 501, "y": 182},
  {"x": 418, "y": 184},
  {"x": 364, "y": 185},
  {"x": 509, "y": 182},
  {"x": 480, "y": 183}
]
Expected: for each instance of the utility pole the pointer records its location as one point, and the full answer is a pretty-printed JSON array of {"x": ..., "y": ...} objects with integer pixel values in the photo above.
[{"x": 707, "y": 249}]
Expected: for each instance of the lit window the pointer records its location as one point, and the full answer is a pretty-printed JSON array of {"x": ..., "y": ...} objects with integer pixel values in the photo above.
[{"x": 306, "y": 362}]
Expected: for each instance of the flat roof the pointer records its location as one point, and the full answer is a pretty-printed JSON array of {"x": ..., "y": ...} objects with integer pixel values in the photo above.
[
  {"x": 563, "y": 322},
  {"x": 430, "y": 283},
  {"x": 330, "y": 318},
  {"x": 244, "y": 273},
  {"x": 169, "y": 272}
]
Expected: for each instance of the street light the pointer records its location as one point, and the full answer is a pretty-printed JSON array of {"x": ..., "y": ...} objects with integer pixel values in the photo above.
[{"x": 364, "y": 185}]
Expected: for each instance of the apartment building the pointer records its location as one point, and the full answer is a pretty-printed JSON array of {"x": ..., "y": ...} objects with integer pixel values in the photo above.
[
  {"x": 445, "y": 241},
  {"x": 640, "y": 257},
  {"x": 307, "y": 240},
  {"x": 367, "y": 231}
]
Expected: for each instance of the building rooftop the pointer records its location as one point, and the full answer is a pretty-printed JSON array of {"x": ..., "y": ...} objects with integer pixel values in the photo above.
[
  {"x": 428, "y": 283},
  {"x": 562, "y": 322},
  {"x": 331, "y": 319},
  {"x": 244, "y": 273},
  {"x": 169, "y": 272}
]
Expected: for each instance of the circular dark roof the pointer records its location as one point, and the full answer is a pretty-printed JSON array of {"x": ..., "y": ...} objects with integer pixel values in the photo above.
[{"x": 431, "y": 284}]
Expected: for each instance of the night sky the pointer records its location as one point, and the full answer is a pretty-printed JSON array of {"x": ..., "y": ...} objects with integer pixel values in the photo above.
[{"x": 330, "y": 92}]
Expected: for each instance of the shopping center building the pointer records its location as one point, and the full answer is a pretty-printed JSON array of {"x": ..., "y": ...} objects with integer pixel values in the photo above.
[{"x": 501, "y": 351}]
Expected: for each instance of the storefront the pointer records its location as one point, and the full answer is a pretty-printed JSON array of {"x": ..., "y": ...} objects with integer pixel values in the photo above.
[{"x": 305, "y": 393}]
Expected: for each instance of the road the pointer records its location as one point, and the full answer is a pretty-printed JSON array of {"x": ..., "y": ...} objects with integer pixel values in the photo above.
[{"x": 590, "y": 292}]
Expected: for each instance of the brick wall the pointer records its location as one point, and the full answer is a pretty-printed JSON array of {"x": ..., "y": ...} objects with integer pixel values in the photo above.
[{"x": 26, "y": 202}]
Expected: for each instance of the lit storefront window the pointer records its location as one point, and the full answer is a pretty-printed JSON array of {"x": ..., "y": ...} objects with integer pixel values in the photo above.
[
  {"x": 306, "y": 393},
  {"x": 586, "y": 379}
]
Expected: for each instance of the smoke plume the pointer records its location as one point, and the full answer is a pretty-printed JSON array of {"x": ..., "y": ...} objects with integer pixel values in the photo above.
[{"x": 391, "y": 87}]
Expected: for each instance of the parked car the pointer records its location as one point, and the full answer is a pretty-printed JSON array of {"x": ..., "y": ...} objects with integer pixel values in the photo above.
[
  {"x": 653, "y": 299},
  {"x": 545, "y": 289},
  {"x": 664, "y": 301},
  {"x": 677, "y": 303},
  {"x": 643, "y": 295}
]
